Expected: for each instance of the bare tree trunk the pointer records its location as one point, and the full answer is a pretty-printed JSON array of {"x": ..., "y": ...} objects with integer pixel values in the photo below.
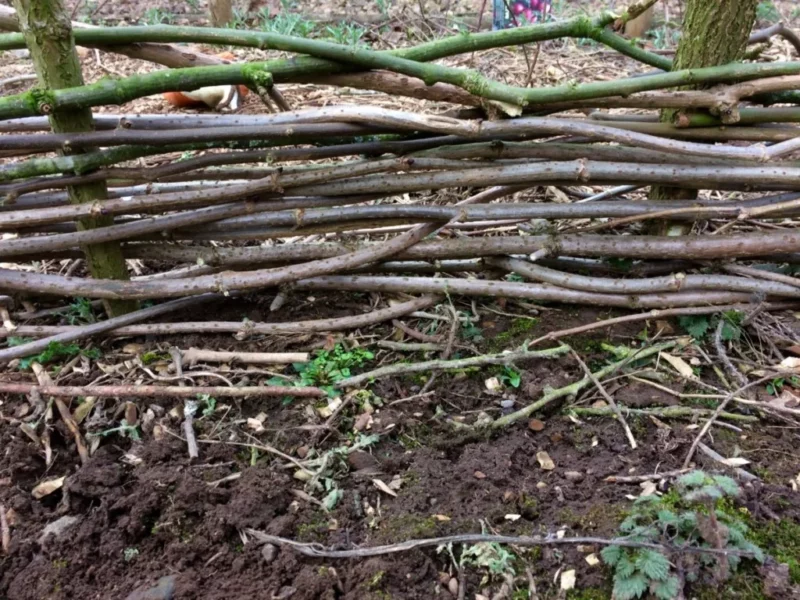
[
  {"x": 48, "y": 34},
  {"x": 714, "y": 32},
  {"x": 221, "y": 12}
]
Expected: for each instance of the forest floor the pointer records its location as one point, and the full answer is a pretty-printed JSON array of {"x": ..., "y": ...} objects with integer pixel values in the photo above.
[{"x": 140, "y": 520}]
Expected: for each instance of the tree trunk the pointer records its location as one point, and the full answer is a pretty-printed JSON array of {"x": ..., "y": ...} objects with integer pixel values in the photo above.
[
  {"x": 48, "y": 34},
  {"x": 221, "y": 12},
  {"x": 714, "y": 32}
]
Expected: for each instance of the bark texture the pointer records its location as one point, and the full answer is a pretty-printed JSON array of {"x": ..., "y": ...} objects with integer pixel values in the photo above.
[
  {"x": 48, "y": 34},
  {"x": 714, "y": 32}
]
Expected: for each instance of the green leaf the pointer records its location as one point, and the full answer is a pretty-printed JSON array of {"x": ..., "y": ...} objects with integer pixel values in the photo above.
[
  {"x": 692, "y": 479},
  {"x": 332, "y": 499},
  {"x": 625, "y": 568},
  {"x": 611, "y": 555},
  {"x": 667, "y": 589},
  {"x": 727, "y": 485},
  {"x": 627, "y": 588},
  {"x": 668, "y": 518},
  {"x": 731, "y": 332},
  {"x": 707, "y": 492},
  {"x": 653, "y": 564},
  {"x": 696, "y": 326}
]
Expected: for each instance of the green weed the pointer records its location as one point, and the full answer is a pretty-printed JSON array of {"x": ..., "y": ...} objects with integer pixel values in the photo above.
[{"x": 696, "y": 514}]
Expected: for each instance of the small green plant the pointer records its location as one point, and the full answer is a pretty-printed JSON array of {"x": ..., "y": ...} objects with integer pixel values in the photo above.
[
  {"x": 775, "y": 387},
  {"x": 239, "y": 20},
  {"x": 767, "y": 11},
  {"x": 692, "y": 515},
  {"x": 286, "y": 24},
  {"x": 495, "y": 558},
  {"x": 54, "y": 351},
  {"x": 698, "y": 326},
  {"x": 80, "y": 312},
  {"x": 383, "y": 7},
  {"x": 158, "y": 16},
  {"x": 129, "y": 554},
  {"x": 209, "y": 404},
  {"x": 328, "y": 367},
  {"x": 510, "y": 376},
  {"x": 125, "y": 430},
  {"x": 346, "y": 34}
]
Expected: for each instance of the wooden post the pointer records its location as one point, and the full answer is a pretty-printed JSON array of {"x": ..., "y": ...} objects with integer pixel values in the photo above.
[{"x": 48, "y": 34}]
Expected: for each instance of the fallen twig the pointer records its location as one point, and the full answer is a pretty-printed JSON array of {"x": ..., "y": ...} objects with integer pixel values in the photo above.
[
  {"x": 5, "y": 531},
  {"x": 503, "y": 358},
  {"x": 666, "y": 412},
  {"x": 729, "y": 398},
  {"x": 86, "y": 331},
  {"x": 192, "y": 356},
  {"x": 189, "y": 408},
  {"x": 246, "y": 328},
  {"x": 319, "y": 551},
  {"x": 144, "y": 391},
  {"x": 608, "y": 397},
  {"x": 574, "y": 388},
  {"x": 642, "y": 478}
]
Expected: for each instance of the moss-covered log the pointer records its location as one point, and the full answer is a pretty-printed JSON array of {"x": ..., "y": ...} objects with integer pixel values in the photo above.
[{"x": 48, "y": 34}]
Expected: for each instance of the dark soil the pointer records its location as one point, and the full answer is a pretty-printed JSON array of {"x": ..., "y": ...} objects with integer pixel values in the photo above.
[{"x": 145, "y": 511}]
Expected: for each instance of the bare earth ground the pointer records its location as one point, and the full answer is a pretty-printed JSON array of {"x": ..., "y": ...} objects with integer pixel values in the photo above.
[{"x": 144, "y": 511}]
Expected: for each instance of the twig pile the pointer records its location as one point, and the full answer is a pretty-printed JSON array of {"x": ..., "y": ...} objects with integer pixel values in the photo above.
[{"x": 379, "y": 218}]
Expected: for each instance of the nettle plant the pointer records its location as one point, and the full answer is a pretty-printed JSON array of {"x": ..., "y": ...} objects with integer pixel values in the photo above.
[{"x": 696, "y": 514}]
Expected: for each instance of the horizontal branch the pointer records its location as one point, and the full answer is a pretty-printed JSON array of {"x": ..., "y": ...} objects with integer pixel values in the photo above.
[
  {"x": 672, "y": 283},
  {"x": 151, "y": 391},
  {"x": 241, "y": 329},
  {"x": 129, "y": 88},
  {"x": 502, "y": 358},
  {"x": 511, "y": 289}
]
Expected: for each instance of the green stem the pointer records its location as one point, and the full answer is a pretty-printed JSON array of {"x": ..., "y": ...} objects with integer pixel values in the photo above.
[
  {"x": 109, "y": 91},
  {"x": 573, "y": 388},
  {"x": 581, "y": 27}
]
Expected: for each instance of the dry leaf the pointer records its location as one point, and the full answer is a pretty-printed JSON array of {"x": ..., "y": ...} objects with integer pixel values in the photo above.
[
  {"x": 680, "y": 365},
  {"x": 255, "y": 425},
  {"x": 384, "y": 488},
  {"x": 441, "y": 517},
  {"x": 545, "y": 461},
  {"x": 83, "y": 409},
  {"x": 535, "y": 425},
  {"x": 303, "y": 475},
  {"x": 479, "y": 475},
  {"x": 363, "y": 421},
  {"x": 396, "y": 483},
  {"x": 133, "y": 348},
  {"x": 790, "y": 363},
  {"x": 493, "y": 385},
  {"x": 47, "y": 487},
  {"x": 648, "y": 488},
  {"x": 568, "y": 580}
]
